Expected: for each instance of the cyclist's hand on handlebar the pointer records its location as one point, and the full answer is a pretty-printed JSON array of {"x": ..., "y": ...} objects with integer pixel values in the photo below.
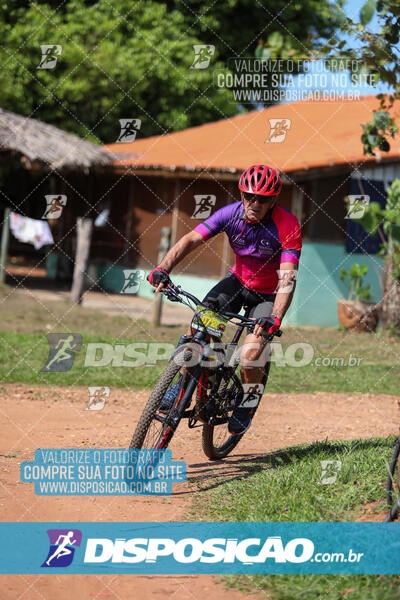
[
  {"x": 264, "y": 326},
  {"x": 158, "y": 278}
]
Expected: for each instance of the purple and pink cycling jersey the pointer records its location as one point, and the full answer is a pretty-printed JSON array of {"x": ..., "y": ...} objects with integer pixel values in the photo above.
[{"x": 261, "y": 247}]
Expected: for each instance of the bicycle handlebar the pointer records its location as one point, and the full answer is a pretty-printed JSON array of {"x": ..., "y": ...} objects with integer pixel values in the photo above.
[{"x": 172, "y": 292}]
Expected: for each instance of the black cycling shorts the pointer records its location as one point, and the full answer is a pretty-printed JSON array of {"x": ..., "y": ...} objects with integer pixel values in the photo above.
[{"x": 231, "y": 296}]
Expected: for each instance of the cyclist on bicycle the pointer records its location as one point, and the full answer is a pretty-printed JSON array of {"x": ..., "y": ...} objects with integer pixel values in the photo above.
[{"x": 266, "y": 240}]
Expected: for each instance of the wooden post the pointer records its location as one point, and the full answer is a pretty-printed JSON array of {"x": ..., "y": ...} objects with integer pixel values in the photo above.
[
  {"x": 5, "y": 236},
  {"x": 175, "y": 213},
  {"x": 225, "y": 244},
  {"x": 128, "y": 222},
  {"x": 315, "y": 201},
  {"x": 165, "y": 239},
  {"x": 297, "y": 202},
  {"x": 84, "y": 229}
]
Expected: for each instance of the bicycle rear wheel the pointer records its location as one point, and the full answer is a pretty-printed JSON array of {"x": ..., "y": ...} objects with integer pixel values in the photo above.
[
  {"x": 153, "y": 430},
  {"x": 216, "y": 440}
]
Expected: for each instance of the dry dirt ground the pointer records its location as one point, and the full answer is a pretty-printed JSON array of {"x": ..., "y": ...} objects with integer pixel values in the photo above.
[{"x": 32, "y": 417}]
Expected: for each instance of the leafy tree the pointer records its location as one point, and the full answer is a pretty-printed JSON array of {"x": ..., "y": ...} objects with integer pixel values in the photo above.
[
  {"x": 386, "y": 221},
  {"x": 354, "y": 279},
  {"x": 238, "y": 27},
  {"x": 379, "y": 55},
  {"x": 118, "y": 60},
  {"x": 132, "y": 60},
  {"x": 243, "y": 29}
]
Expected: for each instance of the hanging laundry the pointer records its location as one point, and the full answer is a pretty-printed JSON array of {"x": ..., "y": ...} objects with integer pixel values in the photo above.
[{"x": 30, "y": 231}]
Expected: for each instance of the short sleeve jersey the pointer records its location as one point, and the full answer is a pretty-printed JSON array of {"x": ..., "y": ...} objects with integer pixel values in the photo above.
[{"x": 260, "y": 247}]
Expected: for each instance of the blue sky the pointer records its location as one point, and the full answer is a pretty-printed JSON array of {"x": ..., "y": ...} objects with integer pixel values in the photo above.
[{"x": 352, "y": 9}]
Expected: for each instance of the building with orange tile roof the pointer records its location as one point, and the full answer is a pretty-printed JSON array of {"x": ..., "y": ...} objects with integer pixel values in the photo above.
[{"x": 317, "y": 148}]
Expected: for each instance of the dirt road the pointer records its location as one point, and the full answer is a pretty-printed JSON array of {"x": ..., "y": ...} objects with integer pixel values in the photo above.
[{"x": 32, "y": 417}]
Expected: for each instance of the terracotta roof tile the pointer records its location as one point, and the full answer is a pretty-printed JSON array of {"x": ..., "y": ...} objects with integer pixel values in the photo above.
[{"x": 321, "y": 134}]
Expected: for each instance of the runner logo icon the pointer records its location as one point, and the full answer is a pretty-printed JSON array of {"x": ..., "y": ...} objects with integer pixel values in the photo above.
[
  {"x": 356, "y": 206},
  {"x": 278, "y": 130},
  {"x": 129, "y": 129},
  {"x": 133, "y": 277},
  {"x": 62, "y": 547},
  {"x": 50, "y": 53},
  {"x": 202, "y": 56},
  {"x": 97, "y": 397},
  {"x": 55, "y": 205},
  {"x": 330, "y": 470},
  {"x": 63, "y": 347},
  {"x": 252, "y": 393},
  {"x": 204, "y": 205}
]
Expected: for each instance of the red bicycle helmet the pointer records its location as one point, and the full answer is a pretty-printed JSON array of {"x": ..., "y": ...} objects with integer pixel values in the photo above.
[{"x": 260, "y": 179}]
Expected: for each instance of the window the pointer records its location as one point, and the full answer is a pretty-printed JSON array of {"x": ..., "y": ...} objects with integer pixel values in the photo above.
[{"x": 358, "y": 241}]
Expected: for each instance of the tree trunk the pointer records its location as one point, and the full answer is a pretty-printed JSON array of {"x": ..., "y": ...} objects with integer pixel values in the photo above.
[
  {"x": 165, "y": 237},
  {"x": 391, "y": 292},
  {"x": 84, "y": 235},
  {"x": 4, "y": 244}
]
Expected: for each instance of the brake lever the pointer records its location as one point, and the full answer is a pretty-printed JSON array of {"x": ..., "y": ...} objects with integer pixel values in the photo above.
[{"x": 170, "y": 294}]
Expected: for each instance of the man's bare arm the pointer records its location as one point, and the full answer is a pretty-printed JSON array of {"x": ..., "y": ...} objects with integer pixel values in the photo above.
[
  {"x": 285, "y": 290},
  {"x": 182, "y": 248}
]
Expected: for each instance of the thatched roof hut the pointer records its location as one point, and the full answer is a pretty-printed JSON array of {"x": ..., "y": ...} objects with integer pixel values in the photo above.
[{"x": 44, "y": 146}]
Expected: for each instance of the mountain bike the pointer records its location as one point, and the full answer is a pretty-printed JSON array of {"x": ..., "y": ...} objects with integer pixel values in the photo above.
[
  {"x": 392, "y": 480},
  {"x": 204, "y": 368}
]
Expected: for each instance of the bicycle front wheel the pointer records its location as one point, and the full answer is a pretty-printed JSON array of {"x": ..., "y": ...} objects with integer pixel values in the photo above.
[{"x": 154, "y": 430}]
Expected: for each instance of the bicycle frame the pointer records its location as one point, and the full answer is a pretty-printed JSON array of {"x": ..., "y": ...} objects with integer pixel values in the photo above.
[
  {"x": 201, "y": 338},
  {"x": 208, "y": 324}
]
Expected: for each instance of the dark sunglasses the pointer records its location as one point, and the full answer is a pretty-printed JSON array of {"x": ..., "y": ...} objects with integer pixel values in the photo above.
[{"x": 253, "y": 197}]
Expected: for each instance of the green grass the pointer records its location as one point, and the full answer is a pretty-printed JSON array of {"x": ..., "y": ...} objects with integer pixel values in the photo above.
[
  {"x": 23, "y": 355},
  {"x": 24, "y": 350},
  {"x": 284, "y": 486},
  {"x": 278, "y": 487},
  {"x": 24, "y": 346},
  {"x": 318, "y": 587}
]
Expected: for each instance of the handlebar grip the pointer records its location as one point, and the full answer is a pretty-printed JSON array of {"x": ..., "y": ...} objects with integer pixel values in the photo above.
[
  {"x": 267, "y": 336},
  {"x": 270, "y": 336}
]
